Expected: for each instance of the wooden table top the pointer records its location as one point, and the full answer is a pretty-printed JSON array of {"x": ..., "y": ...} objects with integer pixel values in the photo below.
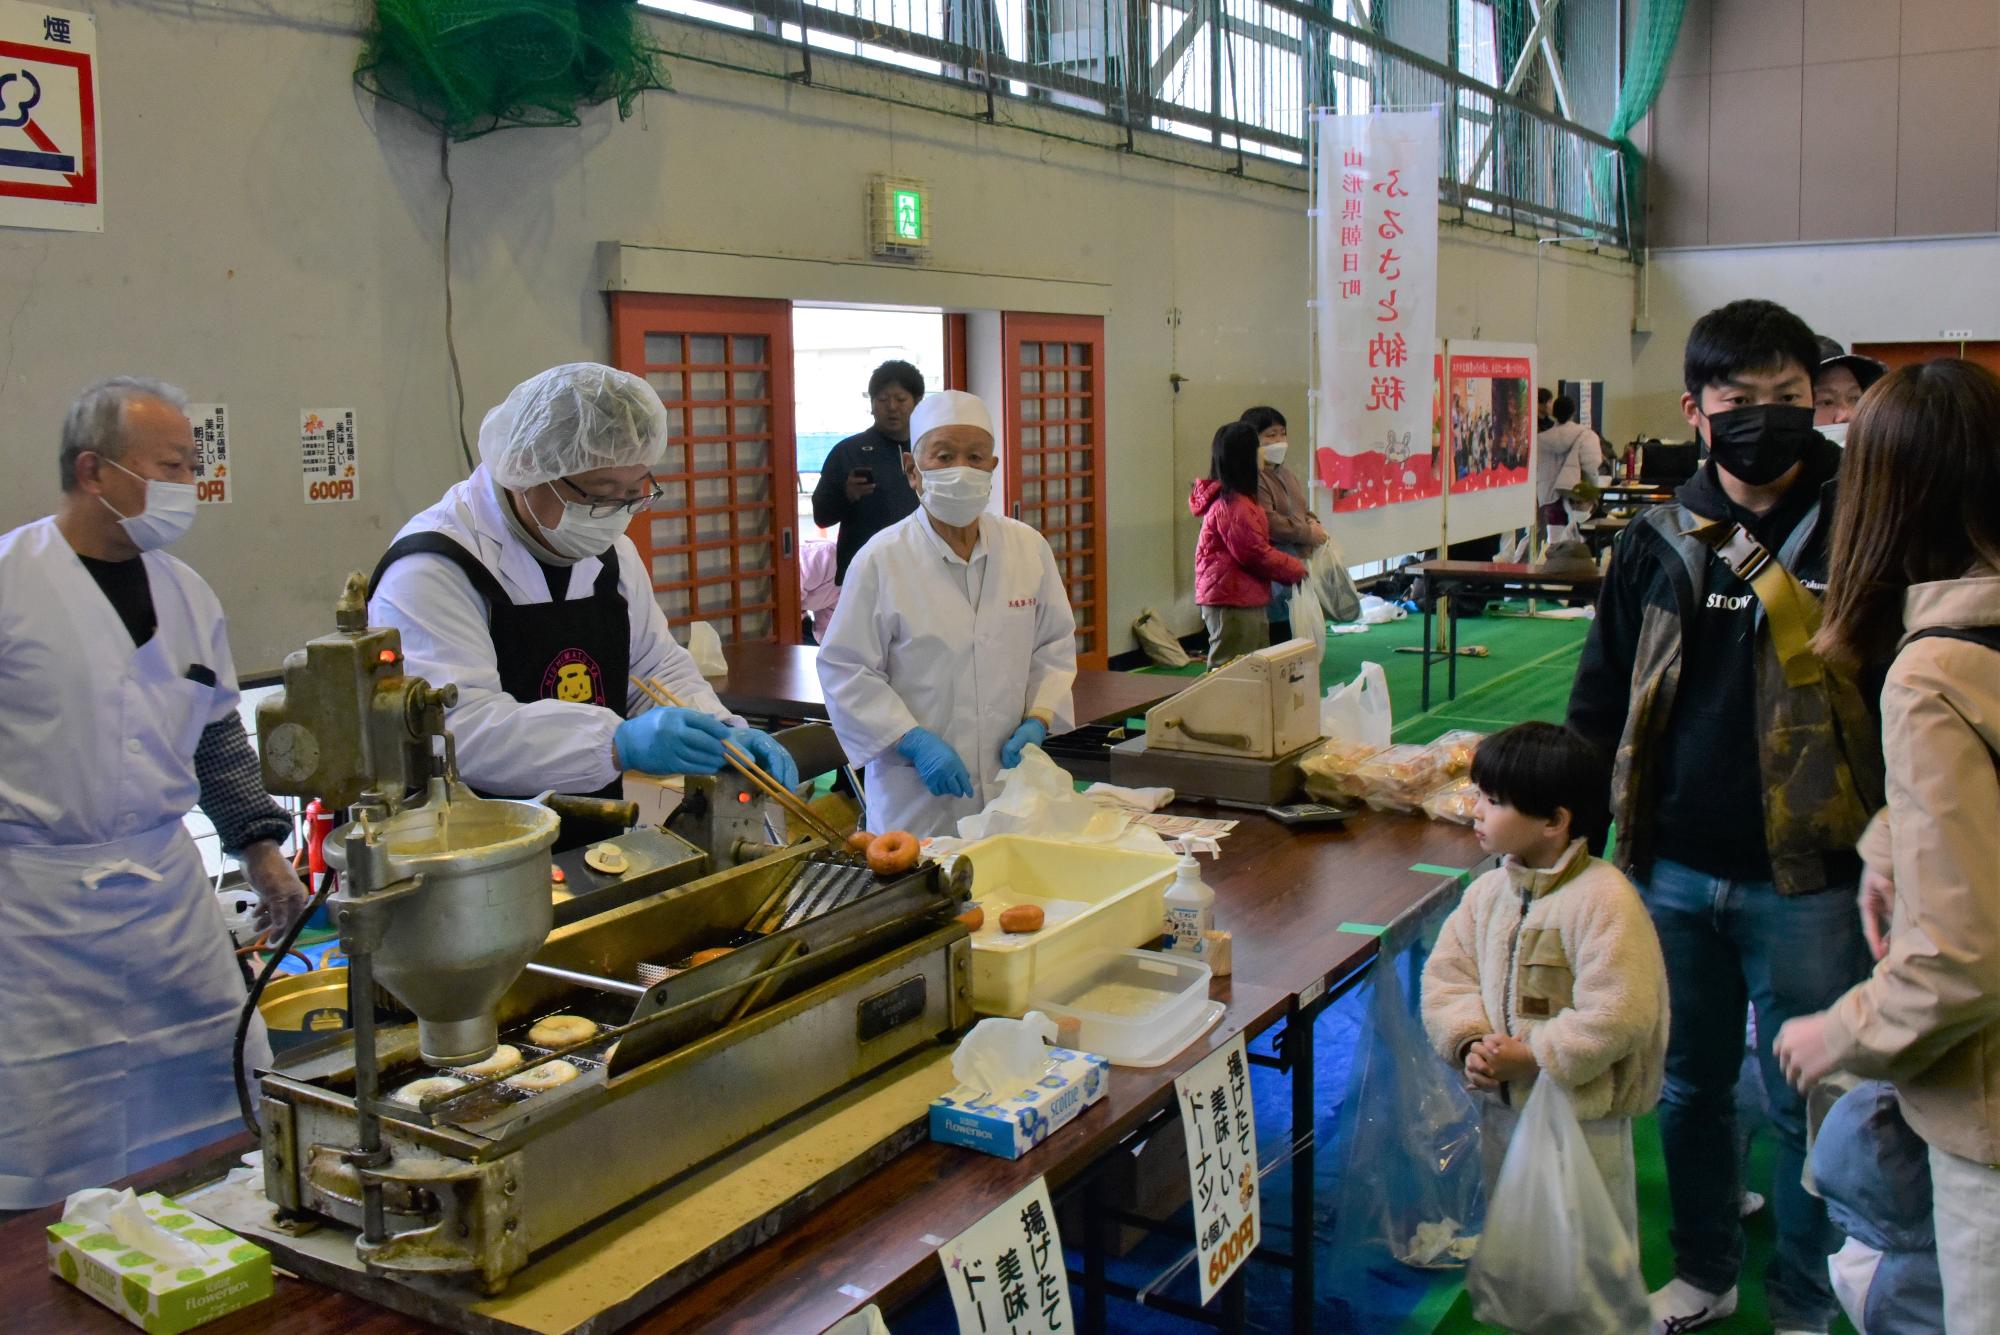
[
  {"x": 783, "y": 679},
  {"x": 1281, "y": 893},
  {"x": 1508, "y": 572}
]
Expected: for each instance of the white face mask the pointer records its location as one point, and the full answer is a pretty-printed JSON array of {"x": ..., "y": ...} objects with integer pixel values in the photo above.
[
  {"x": 579, "y": 534},
  {"x": 956, "y": 496},
  {"x": 169, "y": 512},
  {"x": 1835, "y": 431},
  {"x": 1273, "y": 451}
]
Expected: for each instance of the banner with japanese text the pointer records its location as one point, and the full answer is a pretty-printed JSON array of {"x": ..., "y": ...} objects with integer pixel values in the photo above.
[
  {"x": 1375, "y": 233},
  {"x": 1490, "y": 414}
]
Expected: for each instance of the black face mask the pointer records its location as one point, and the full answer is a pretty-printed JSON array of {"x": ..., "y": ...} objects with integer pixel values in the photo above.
[{"x": 1759, "y": 443}]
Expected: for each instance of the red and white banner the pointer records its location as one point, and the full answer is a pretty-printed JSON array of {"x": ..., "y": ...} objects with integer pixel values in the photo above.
[
  {"x": 1376, "y": 240},
  {"x": 1490, "y": 414}
]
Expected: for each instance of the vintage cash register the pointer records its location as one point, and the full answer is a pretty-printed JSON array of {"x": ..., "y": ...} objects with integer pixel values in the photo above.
[{"x": 1236, "y": 735}]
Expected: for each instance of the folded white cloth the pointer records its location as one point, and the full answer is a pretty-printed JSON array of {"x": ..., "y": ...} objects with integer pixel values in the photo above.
[{"x": 1138, "y": 799}]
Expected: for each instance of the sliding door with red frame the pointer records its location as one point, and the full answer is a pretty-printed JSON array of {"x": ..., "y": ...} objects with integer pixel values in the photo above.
[
  {"x": 720, "y": 543},
  {"x": 1053, "y": 451}
]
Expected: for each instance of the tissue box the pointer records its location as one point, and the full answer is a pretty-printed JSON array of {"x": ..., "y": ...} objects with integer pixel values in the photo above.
[
  {"x": 162, "y": 1299},
  {"x": 1011, "y": 1126}
]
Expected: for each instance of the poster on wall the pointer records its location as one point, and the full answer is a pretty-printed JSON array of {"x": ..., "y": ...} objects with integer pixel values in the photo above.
[
  {"x": 51, "y": 154},
  {"x": 211, "y": 452},
  {"x": 1489, "y": 414},
  {"x": 329, "y": 461},
  {"x": 1588, "y": 396},
  {"x": 1375, "y": 302}
]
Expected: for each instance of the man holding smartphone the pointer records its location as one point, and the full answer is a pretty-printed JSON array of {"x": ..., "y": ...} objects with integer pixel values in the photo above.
[{"x": 862, "y": 487}]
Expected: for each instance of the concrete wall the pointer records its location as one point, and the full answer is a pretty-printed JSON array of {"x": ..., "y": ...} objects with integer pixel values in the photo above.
[
  {"x": 273, "y": 240},
  {"x": 1878, "y": 291}
]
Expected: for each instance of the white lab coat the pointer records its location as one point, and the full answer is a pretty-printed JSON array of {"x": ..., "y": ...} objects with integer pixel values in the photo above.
[
  {"x": 907, "y": 649},
  {"x": 506, "y": 745},
  {"x": 118, "y": 983}
]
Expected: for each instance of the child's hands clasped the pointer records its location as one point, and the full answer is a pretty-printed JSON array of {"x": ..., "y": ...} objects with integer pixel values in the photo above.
[{"x": 1499, "y": 1059}]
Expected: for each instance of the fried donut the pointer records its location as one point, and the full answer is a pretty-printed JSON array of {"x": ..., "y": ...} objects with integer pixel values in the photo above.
[
  {"x": 974, "y": 918},
  {"x": 504, "y": 1059},
  {"x": 893, "y": 853},
  {"x": 559, "y": 1031},
  {"x": 417, "y": 1091},
  {"x": 546, "y": 1076},
  {"x": 1021, "y": 918},
  {"x": 704, "y": 956},
  {"x": 859, "y": 840}
]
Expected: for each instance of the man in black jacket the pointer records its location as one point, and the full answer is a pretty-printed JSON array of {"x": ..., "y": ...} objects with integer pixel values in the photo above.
[
  {"x": 862, "y": 488},
  {"x": 1746, "y": 769}
]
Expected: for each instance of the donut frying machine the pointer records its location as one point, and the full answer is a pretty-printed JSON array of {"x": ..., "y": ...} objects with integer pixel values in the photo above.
[{"x": 447, "y": 902}]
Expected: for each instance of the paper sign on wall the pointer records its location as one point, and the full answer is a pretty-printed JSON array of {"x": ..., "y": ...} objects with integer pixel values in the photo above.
[
  {"x": 1375, "y": 299},
  {"x": 1006, "y": 1272},
  {"x": 328, "y": 459},
  {"x": 51, "y": 157},
  {"x": 1222, "y": 1163},
  {"x": 211, "y": 452}
]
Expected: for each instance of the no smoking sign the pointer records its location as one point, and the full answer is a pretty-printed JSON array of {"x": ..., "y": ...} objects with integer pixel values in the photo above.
[{"x": 51, "y": 154}]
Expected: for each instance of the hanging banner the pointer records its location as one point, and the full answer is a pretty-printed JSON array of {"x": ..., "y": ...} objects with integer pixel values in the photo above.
[
  {"x": 1376, "y": 250},
  {"x": 211, "y": 452},
  {"x": 1490, "y": 414},
  {"x": 1221, "y": 1133},
  {"x": 1006, "y": 1273},
  {"x": 329, "y": 461},
  {"x": 50, "y": 151}
]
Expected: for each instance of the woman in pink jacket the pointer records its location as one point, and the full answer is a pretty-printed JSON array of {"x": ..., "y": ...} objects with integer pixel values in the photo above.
[{"x": 1234, "y": 562}]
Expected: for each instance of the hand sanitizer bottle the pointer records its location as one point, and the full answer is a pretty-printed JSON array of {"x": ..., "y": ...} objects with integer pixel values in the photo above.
[{"x": 1190, "y": 910}]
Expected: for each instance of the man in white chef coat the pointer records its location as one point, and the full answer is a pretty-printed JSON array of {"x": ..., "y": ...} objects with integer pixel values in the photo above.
[
  {"x": 521, "y": 588},
  {"x": 118, "y": 981},
  {"x": 953, "y": 647}
]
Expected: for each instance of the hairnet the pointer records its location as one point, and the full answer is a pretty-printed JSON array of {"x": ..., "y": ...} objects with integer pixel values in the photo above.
[{"x": 570, "y": 419}]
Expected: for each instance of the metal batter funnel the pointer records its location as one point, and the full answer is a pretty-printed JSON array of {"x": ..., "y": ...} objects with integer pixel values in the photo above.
[{"x": 452, "y": 946}]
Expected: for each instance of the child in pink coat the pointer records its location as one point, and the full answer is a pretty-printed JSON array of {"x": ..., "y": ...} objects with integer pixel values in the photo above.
[{"x": 1234, "y": 562}]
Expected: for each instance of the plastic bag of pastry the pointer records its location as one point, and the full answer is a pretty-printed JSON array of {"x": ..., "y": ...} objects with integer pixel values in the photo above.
[
  {"x": 1454, "y": 752},
  {"x": 1328, "y": 770},
  {"x": 1396, "y": 778},
  {"x": 1452, "y": 800}
]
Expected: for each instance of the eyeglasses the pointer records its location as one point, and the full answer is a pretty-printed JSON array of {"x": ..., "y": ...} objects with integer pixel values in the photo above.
[{"x": 600, "y": 506}]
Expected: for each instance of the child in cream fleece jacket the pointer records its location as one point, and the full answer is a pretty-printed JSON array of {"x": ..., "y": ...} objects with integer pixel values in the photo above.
[{"x": 1550, "y": 965}]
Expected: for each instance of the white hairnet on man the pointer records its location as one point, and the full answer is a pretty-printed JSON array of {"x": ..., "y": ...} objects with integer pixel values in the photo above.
[
  {"x": 572, "y": 419},
  {"x": 521, "y": 588}
]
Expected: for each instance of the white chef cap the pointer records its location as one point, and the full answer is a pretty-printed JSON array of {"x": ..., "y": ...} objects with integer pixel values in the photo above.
[
  {"x": 948, "y": 407},
  {"x": 570, "y": 419}
]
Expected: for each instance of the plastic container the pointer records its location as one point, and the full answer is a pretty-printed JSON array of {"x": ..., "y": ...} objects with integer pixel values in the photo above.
[
  {"x": 1127, "y": 1000},
  {"x": 1093, "y": 899}
]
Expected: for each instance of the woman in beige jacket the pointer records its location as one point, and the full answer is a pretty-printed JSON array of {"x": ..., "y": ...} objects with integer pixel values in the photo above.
[{"x": 1916, "y": 575}]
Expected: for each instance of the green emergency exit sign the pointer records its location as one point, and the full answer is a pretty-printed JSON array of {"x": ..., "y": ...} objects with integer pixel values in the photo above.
[{"x": 906, "y": 214}]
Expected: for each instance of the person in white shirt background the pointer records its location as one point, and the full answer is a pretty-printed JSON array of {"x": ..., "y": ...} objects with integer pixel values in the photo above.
[
  {"x": 520, "y": 587},
  {"x": 954, "y": 647},
  {"x": 118, "y": 704}
]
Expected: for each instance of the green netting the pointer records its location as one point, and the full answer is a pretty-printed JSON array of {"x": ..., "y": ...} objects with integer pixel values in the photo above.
[
  {"x": 474, "y": 66},
  {"x": 1654, "y": 33}
]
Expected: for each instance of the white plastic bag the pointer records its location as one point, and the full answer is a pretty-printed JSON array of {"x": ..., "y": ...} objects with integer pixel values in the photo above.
[
  {"x": 1555, "y": 1258},
  {"x": 1308, "y": 622},
  {"x": 1360, "y": 711},
  {"x": 1327, "y": 576},
  {"x": 705, "y": 647}
]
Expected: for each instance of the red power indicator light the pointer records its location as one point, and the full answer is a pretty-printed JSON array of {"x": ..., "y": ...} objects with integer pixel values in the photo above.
[
  {"x": 388, "y": 655},
  {"x": 744, "y": 798}
]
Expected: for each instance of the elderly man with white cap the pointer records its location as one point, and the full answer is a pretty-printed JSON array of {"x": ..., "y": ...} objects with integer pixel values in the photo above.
[
  {"x": 521, "y": 588},
  {"x": 953, "y": 647}
]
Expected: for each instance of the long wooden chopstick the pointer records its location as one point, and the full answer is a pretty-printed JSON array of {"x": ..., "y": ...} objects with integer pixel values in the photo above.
[{"x": 759, "y": 778}]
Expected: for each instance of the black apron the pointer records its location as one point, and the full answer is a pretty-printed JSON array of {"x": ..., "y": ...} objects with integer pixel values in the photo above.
[{"x": 573, "y": 649}]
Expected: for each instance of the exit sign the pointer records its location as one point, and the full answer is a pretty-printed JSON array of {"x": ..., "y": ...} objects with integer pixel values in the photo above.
[
  {"x": 899, "y": 221},
  {"x": 906, "y": 214}
]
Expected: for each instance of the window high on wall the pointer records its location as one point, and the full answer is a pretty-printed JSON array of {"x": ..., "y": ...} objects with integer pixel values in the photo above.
[{"x": 1479, "y": 41}]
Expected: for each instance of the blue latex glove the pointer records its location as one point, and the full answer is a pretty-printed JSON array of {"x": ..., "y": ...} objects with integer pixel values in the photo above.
[
  {"x": 768, "y": 752},
  {"x": 937, "y": 764},
  {"x": 669, "y": 740},
  {"x": 1032, "y": 732}
]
